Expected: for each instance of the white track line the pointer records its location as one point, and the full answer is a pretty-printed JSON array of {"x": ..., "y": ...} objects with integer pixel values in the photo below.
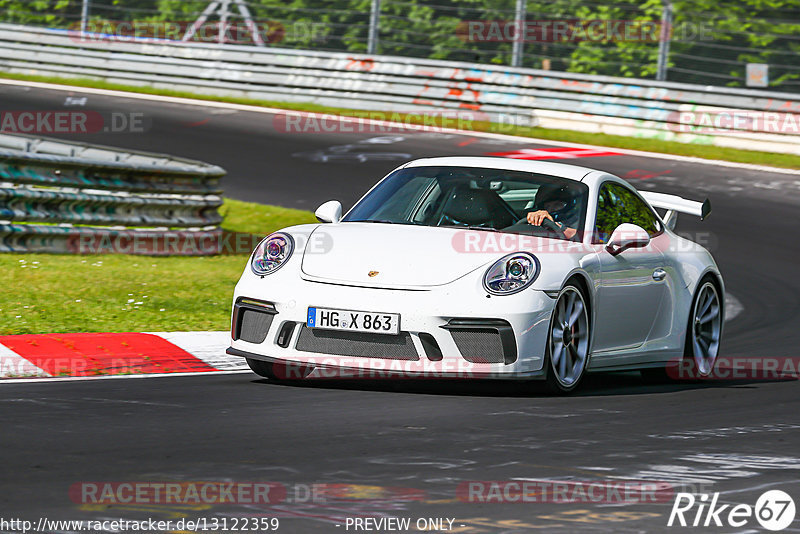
[
  {"x": 489, "y": 135},
  {"x": 733, "y": 307},
  {"x": 52, "y": 380}
]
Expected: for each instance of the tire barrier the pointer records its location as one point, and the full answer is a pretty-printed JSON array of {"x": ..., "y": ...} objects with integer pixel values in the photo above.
[{"x": 84, "y": 199}]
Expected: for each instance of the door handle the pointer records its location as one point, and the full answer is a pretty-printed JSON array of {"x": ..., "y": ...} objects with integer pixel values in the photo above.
[{"x": 659, "y": 274}]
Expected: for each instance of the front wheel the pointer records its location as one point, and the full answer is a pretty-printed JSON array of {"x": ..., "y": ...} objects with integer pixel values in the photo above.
[{"x": 568, "y": 341}]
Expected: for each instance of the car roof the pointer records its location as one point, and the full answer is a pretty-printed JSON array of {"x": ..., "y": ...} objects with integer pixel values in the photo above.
[{"x": 570, "y": 172}]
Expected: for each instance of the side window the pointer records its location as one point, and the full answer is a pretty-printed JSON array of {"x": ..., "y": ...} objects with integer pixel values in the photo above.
[
  {"x": 609, "y": 214},
  {"x": 617, "y": 205}
]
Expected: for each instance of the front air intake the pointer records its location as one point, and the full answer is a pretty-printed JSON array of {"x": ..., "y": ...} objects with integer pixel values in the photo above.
[
  {"x": 251, "y": 320},
  {"x": 358, "y": 344},
  {"x": 484, "y": 340}
]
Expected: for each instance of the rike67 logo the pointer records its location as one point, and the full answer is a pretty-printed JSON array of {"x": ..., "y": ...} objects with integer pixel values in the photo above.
[{"x": 774, "y": 510}]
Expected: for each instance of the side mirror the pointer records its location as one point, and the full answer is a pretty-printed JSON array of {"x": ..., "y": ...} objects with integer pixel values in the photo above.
[
  {"x": 329, "y": 212},
  {"x": 627, "y": 236}
]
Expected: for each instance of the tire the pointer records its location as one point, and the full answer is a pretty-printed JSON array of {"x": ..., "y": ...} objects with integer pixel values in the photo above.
[
  {"x": 568, "y": 339},
  {"x": 278, "y": 371},
  {"x": 704, "y": 330},
  {"x": 701, "y": 348}
]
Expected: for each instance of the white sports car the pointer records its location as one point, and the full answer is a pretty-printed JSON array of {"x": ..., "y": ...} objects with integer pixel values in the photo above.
[{"x": 483, "y": 267}]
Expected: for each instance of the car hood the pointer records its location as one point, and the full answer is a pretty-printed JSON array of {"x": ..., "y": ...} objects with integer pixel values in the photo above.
[{"x": 402, "y": 256}]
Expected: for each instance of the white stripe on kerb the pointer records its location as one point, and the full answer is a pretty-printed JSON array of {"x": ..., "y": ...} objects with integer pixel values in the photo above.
[
  {"x": 207, "y": 346},
  {"x": 13, "y": 365}
]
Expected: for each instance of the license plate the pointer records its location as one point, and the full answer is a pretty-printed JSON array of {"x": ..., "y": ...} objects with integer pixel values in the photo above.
[{"x": 353, "y": 321}]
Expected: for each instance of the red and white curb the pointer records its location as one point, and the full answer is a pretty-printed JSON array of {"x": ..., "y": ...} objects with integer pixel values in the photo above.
[
  {"x": 123, "y": 355},
  {"x": 571, "y": 152}
]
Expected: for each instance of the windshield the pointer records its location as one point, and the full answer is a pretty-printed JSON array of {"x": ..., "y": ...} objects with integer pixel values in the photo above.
[{"x": 473, "y": 197}]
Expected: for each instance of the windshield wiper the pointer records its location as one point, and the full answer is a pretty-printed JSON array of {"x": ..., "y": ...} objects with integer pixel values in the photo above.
[
  {"x": 484, "y": 228},
  {"x": 386, "y": 221}
]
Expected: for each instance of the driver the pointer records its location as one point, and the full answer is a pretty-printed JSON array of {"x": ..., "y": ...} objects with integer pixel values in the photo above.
[{"x": 554, "y": 203}]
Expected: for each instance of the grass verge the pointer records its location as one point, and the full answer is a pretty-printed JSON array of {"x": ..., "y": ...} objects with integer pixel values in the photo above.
[
  {"x": 632, "y": 143},
  {"x": 47, "y": 293}
]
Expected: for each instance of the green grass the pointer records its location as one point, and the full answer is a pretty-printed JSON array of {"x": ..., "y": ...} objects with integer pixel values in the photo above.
[
  {"x": 632, "y": 143},
  {"x": 260, "y": 219},
  {"x": 115, "y": 293}
]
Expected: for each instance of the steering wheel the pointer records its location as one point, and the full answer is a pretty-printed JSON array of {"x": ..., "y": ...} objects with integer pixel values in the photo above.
[
  {"x": 548, "y": 224},
  {"x": 447, "y": 220}
]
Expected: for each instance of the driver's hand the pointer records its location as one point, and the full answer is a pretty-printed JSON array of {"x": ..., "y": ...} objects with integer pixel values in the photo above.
[{"x": 537, "y": 217}]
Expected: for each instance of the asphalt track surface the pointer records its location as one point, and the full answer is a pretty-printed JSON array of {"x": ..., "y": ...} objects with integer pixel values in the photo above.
[{"x": 404, "y": 447}]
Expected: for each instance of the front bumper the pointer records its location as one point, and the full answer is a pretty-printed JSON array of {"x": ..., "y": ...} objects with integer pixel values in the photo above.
[{"x": 447, "y": 331}]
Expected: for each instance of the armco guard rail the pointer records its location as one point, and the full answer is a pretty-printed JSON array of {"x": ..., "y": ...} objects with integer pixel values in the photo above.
[
  {"x": 620, "y": 106},
  {"x": 94, "y": 199}
]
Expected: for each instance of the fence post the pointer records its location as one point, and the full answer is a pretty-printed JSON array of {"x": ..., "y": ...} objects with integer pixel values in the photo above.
[
  {"x": 224, "y": 11},
  {"x": 84, "y": 16},
  {"x": 663, "y": 41},
  {"x": 374, "y": 19},
  {"x": 519, "y": 43}
]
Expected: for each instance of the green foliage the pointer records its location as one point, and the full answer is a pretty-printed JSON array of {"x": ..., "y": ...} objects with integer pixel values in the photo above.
[
  {"x": 711, "y": 41},
  {"x": 40, "y": 12},
  {"x": 732, "y": 33}
]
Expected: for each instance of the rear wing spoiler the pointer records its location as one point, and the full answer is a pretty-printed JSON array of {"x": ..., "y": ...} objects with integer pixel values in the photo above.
[{"x": 675, "y": 204}]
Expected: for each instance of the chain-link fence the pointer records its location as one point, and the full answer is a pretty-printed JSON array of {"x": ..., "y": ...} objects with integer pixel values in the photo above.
[{"x": 727, "y": 43}]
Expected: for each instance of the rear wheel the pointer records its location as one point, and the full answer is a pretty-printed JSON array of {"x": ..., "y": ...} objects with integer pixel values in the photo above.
[
  {"x": 703, "y": 336},
  {"x": 568, "y": 341},
  {"x": 278, "y": 371},
  {"x": 704, "y": 331}
]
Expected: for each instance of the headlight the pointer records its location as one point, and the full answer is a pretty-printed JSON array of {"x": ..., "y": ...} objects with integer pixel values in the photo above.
[
  {"x": 271, "y": 253},
  {"x": 511, "y": 273}
]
